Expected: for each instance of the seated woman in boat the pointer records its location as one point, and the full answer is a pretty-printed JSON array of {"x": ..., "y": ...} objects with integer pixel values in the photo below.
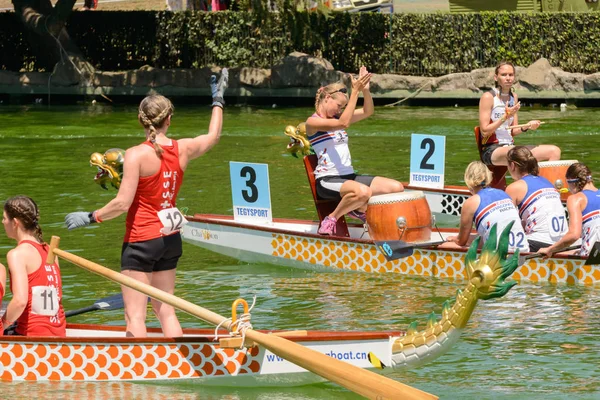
[
  {"x": 497, "y": 112},
  {"x": 487, "y": 207},
  {"x": 152, "y": 176},
  {"x": 542, "y": 213},
  {"x": 584, "y": 212},
  {"x": 335, "y": 176},
  {"x": 36, "y": 304}
]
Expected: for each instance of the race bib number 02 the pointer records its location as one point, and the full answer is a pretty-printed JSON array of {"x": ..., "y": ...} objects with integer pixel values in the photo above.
[
  {"x": 44, "y": 300},
  {"x": 172, "y": 220},
  {"x": 427, "y": 160}
]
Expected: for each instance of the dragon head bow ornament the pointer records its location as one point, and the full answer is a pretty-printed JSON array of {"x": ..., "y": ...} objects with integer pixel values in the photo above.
[
  {"x": 299, "y": 143},
  {"x": 110, "y": 167}
]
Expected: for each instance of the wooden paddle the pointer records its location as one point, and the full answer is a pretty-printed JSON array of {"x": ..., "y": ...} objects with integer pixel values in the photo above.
[
  {"x": 395, "y": 249},
  {"x": 361, "y": 381},
  {"x": 523, "y": 125}
]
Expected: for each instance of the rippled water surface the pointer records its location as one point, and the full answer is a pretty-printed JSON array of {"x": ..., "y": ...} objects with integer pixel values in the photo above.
[{"x": 540, "y": 341}]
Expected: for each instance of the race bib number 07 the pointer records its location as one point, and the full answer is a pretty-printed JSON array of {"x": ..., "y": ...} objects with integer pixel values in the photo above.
[
  {"x": 44, "y": 300},
  {"x": 172, "y": 220}
]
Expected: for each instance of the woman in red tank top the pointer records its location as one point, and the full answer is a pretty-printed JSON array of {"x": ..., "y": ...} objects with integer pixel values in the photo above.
[
  {"x": 36, "y": 286},
  {"x": 152, "y": 176},
  {"x": 2, "y": 291}
]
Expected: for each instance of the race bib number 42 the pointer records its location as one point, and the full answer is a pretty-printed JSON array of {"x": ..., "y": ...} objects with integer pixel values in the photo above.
[
  {"x": 172, "y": 220},
  {"x": 44, "y": 300}
]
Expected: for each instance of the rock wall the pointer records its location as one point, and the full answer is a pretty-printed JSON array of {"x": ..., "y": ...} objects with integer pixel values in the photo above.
[{"x": 302, "y": 74}]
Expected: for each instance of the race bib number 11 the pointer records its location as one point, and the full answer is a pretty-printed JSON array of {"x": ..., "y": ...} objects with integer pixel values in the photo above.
[{"x": 44, "y": 300}]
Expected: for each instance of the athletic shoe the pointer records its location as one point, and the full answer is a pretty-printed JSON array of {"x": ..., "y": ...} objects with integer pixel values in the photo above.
[
  {"x": 358, "y": 215},
  {"x": 327, "y": 226}
]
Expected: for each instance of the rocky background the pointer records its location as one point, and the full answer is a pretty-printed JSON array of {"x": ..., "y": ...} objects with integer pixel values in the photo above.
[{"x": 299, "y": 71}]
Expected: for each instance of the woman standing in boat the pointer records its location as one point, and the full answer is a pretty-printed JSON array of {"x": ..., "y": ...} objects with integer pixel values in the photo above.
[
  {"x": 152, "y": 176},
  {"x": 497, "y": 112},
  {"x": 584, "y": 212},
  {"x": 335, "y": 176},
  {"x": 486, "y": 208},
  {"x": 541, "y": 211},
  {"x": 36, "y": 304}
]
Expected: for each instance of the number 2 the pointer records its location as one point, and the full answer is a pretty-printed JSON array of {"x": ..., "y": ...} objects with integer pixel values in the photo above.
[
  {"x": 516, "y": 240},
  {"x": 430, "y": 144}
]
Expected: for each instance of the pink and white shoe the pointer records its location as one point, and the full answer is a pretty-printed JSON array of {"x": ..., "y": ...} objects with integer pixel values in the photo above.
[{"x": 328, "y": 226}]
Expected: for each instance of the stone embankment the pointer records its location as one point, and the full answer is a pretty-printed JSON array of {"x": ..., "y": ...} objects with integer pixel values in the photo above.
[{"x": 298, "y": 76}]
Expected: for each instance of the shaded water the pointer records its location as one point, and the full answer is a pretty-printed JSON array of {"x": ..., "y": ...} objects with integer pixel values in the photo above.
[{"x": 540, "y": 341}]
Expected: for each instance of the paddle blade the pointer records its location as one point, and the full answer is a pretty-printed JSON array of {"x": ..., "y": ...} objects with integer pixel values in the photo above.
[
  {"x": 113, "y": 302},
  {"x": 594, "y": 257},
  {"x": 394, "y": 249}
]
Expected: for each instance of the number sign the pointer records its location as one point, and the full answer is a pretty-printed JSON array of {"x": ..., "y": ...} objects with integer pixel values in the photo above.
[
  {"x": 427, "y": 158},
  {"x": 250, "y": 191}
]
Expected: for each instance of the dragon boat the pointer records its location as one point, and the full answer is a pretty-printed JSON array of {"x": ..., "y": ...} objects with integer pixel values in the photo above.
[{"x": 103, "y": 353}]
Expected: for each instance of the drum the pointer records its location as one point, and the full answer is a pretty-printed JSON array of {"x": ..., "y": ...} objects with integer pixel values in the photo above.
[
  {"x": 399, "y": 216},
  {"x": 555, "y": 172}
]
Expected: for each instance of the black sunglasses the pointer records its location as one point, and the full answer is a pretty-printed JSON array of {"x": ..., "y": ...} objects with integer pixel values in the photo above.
[{"x": 342, "y": 90}]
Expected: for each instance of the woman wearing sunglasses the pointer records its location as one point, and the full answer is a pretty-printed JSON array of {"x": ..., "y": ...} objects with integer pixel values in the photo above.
[
  {"x": 584, "y": 212},
  {"x": 335, "y": 176}
]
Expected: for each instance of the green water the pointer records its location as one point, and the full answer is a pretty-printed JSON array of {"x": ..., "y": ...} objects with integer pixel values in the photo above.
[{"x": 540, "y": 341}]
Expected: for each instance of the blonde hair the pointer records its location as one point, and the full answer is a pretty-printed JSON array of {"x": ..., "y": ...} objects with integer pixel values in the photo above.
[
  {"x": 153, "y": 112},
  {"x": 477, "y": 174},
  {"x": 25, "y": 210},
  {"x": 331, "y": 90}
]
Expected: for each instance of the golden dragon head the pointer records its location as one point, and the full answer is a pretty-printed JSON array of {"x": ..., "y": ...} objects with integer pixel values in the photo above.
[
  {"x": 489, "y": 271},
  {"x": 110, "y": 167},
  {"x": 299, "y": 143}
]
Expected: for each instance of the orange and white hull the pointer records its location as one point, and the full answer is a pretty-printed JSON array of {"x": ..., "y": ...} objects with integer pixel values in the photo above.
[{"x": 100, "y": 353}]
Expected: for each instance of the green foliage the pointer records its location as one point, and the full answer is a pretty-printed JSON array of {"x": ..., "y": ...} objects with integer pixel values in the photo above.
[{"x": 410, "y": 44}]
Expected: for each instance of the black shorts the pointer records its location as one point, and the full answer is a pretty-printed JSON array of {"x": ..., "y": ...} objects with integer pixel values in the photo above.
[
  {"x": 328, "y": 187},
  {"x": 534, "y": 245},
  {"x": 486, "y": 153},
  {"x": 160, "y": 254}
]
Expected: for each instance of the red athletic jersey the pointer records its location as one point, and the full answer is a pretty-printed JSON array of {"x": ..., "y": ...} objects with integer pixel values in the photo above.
[
  {"x": 45, "y": 297},
  {"x": 154, "y": 193},
  {"x": 1, "y": 296}
]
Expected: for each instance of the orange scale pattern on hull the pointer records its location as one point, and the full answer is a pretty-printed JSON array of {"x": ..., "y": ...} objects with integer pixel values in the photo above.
[{"x": 89, "y": 362}]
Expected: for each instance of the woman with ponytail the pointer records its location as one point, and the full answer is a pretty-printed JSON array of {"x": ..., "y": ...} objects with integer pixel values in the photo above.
[
  {"x": 335, "y": 111},
  {"x": 497, "y": 112},
  {"x": 36, "y": 286},
  {"x": 540, "y": 208},
  {"x": 584, "y": 212},
  {"x": 152, "y": 176},
  {"x": 487, "y": 207}
]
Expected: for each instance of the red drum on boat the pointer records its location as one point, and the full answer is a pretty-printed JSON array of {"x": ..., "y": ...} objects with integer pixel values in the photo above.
[
  {"x": 399, "y": 216},
  {"x": 555, "y": 172}
]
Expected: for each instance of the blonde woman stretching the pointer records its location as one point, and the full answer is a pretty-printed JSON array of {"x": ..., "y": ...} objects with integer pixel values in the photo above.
[{"x": 335, "y": 176}]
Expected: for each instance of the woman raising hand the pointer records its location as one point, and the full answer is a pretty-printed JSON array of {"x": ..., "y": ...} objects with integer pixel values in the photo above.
[{"x": 335, "y": 178}]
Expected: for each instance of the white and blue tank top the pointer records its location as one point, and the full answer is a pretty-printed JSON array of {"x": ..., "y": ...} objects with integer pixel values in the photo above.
[
  {"x": 590, "y": 223},
  {"x": 496, "y": 207},
  {"x": 542, "y": 213},
  {"x": 332, "y": 152}
]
